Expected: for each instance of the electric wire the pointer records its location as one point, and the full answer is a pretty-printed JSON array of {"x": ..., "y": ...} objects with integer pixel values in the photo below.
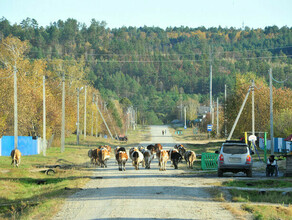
[{"x": 279, "y": 81}]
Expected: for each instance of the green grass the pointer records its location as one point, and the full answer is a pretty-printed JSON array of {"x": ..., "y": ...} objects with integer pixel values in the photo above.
[
  {"x": 209, "y": 147},
  {"x": 260, "y": 183},
  {"x": 256, "y": 196},
  {"x": 260, "y": 212}
]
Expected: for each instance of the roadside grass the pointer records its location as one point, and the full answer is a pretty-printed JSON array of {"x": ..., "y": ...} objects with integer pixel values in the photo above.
[
  {"x": 236, "y": 211},
  {"x": 260, "y": 196},
  {"x": 260, "y": 183},
  {"x": 28, "y": 193},
  {"x": 187, "y": 135},
  {"x": 216, "y": 194},
  {"x": 208, "y": 147},
  {"x": 280, "y": 204},
  {"x": 268, "y": 212}
]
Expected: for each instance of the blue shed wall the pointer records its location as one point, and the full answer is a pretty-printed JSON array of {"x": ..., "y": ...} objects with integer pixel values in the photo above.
[{"x": 26, "y": 145}]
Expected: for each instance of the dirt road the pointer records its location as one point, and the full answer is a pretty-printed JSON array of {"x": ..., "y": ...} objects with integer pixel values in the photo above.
[{"x": 144, "y": 194}]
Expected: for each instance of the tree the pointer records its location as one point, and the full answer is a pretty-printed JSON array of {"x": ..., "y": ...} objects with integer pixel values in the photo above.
[{"x": 283, "y": 123}]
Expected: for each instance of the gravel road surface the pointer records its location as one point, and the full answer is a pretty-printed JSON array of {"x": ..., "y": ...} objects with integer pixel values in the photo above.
[{"x": 144, "y": 194}]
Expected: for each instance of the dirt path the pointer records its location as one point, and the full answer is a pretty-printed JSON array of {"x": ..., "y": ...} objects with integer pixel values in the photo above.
[{"x": 144, "y": 194}]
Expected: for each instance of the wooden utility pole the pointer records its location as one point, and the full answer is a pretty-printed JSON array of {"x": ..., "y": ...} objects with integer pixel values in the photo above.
[
  {"x": 271, "y": 112},
  {"x": 225, "y": 109},
  {"x": 63, "y": 115},
  {"x": 78, "y": 92},
  {"x": 252, "y": 107},
  {"x": 185, "y": 114},
  {"x": 85, "y": 112},
  {"x": 44, "y": 117},
  {"x": 15, "y": 108},
  {"x": 217, "y": 117},
  {"x": 211, "y": 89}
]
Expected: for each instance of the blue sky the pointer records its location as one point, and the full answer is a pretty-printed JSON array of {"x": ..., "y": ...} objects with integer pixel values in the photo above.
[{"x": 158, "y": 13}]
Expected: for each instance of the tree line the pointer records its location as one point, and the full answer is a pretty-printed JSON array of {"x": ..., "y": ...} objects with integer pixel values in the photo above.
[
  {"x": 157, "y": 69},
  {"x": 30, "y": 81}
]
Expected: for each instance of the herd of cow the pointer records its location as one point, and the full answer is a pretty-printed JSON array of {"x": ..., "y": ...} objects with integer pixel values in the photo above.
[{"x": 140, "y": 155}]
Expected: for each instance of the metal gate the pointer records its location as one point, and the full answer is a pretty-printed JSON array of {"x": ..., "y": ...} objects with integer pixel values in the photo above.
[{"x": 209, "y": 161}]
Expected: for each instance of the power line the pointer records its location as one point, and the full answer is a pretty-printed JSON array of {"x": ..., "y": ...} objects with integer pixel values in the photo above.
[
  {"x": 168, "y": 54},
  {"x": 279, "y": 81}
]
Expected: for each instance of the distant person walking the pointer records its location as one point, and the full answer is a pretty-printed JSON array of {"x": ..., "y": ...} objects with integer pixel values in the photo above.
[
  {"x": 165, "y": 132},
  {"x": 162, "y": 132}
]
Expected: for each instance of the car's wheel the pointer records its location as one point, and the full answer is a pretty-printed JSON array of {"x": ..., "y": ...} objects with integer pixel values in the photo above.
[
  {"x": 249, "y": 173},
  {"x": 220, "y": 173}
]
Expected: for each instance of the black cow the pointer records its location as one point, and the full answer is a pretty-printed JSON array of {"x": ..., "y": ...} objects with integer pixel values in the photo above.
[{"x": 176, "y": 158}]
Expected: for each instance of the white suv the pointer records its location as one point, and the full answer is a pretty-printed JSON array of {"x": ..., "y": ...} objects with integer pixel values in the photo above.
[{"x": 235, "y": 157}]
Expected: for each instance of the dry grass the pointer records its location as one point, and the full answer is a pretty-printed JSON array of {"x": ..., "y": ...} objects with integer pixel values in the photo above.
[
  {"x": 237, "y": 212},
  {"x": 268, "y": 212},
  {"x": 216, "y": 194}
]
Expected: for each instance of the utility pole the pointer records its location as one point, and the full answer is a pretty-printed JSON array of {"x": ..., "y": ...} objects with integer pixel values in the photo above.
[
  {"x": 185, "y": 114},
  {"x": 92, "y": 116},
  {"x": 217, "y": 117},
  {"x": 211, "y": 106},
  {"x": 213, "y": 112},
  {"x": 252, "y": 107},
  {"x": 44, "y": 117},
  {"x": 104, "y": 120},
  {"x": 91, "y": 133},
  {"x": 96, "y": 122},
  {"x": 237, "y": 118},
  {"x": 78, "y": 91},
  {"x": 181, "y": 117},
  {"x": 225, "y": 109},
  {"x": 136, "y": 116},
  {"x": 15, "y": 108},
  {"x": 85, "y": 113},
  {"x": 63, "y": 115},
  {"x": 271, "y": 112},
  {"x": 96, "y": 117}
]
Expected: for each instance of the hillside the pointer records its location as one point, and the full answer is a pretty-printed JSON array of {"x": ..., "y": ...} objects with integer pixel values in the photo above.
[{"x": 157, "y": 69}]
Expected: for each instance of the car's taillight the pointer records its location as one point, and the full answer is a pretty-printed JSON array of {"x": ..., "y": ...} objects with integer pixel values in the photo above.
[
  {"x": 248, "y": 159},
  {"x": 221, "y": 158}
]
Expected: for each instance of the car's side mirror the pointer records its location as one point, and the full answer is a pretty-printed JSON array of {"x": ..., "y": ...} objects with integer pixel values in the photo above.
[
  {"x": 216, "y": 152},
  {"x": 252, "y": 152}
]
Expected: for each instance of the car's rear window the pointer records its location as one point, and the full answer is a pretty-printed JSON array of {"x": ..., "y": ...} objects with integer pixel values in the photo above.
[{"x": 234, "y": 149}]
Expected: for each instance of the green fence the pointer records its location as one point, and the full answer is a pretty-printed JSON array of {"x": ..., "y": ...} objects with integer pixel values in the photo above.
[{"x": 209, "y": 161}]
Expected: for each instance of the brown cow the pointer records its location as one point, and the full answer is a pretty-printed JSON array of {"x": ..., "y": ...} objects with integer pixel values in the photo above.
[
  {"x": 15, "y": 155},
  {"x": 108, "y": 148},
  {"x": 122, "y": 158},
  {"x": 190, "y": 157},
  {"x": 163, "y": 159},
  {"x": 103, "y": 156},
  {"x": 158, "y": 147},
  {"x": 95, "y": 158}
]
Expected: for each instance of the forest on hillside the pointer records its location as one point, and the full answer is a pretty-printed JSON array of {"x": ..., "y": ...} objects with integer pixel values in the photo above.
[{"x": 157, "y": 70}]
